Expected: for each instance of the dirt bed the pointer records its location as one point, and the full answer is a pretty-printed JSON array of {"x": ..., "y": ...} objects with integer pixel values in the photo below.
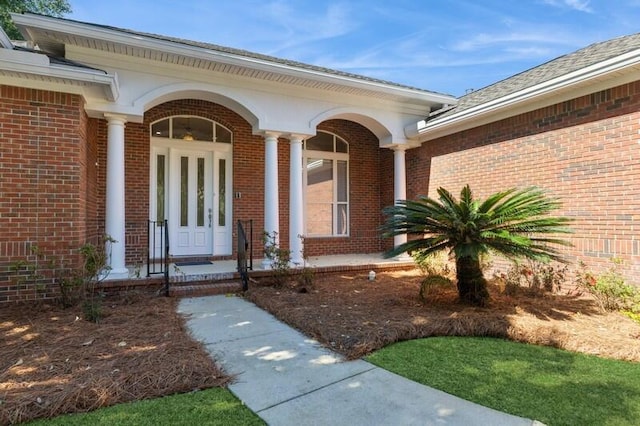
[
  {"x": 355, "y": 316},
  {"x": 54, "y": 362}
]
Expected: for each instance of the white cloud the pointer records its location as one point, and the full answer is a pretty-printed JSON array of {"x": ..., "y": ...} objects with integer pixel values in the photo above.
[
  {"x": 579, "y": 5},
  {"x": 304, "y": 25},
  {"x": 486, "y": 40}
]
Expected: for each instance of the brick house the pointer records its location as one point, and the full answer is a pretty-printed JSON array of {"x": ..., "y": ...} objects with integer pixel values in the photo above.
[{"x": 104, "y": 129}]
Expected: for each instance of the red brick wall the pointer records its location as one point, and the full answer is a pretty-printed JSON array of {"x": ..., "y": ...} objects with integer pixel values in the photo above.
[
  {"x": 584, "y": 151},
  {"x": 387, "y": 197},
  {"x": 44, "y": 193}
]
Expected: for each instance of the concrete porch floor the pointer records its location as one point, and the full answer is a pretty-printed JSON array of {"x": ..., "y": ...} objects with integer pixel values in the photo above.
[
  {"x": 339, "y": 262},
  {"x": 221, "y": 276}
]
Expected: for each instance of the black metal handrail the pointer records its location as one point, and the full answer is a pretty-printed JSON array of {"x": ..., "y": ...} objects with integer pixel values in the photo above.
[
  {"x": 245, "y": 252},
  {"x": 158, "y": 262}
]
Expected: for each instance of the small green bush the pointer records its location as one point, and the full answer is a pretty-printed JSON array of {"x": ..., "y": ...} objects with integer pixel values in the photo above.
[
  {"x": 279, "y": 259},
  {"x": 433, "y": 264},
  {"x": 305, "y": 278},
  {"x": 610, "y": 288},
  {"x": 74, "y": 284}
]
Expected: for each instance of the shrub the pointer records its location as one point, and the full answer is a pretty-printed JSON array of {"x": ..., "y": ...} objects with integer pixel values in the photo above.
[
  {"x": 279, "y": 259},
  {"x": 306, "y": 276},
  {"x": 433, "y": 264},
  {"x": 535, "y": 276},
  {"x": 610, "y": 289},
  {"x": 74, "y": 284}
]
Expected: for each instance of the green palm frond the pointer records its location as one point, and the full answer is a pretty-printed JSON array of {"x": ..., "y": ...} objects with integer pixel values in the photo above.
[{"x": 514, "y": 223}]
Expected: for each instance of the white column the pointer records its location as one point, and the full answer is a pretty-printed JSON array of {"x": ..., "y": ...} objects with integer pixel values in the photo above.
[
  {"x": 114, "y": 208},
  {"x": 296, "y": 224},
  {"x": 399, "y": 188},
  {"x": 271, "y": 208}
]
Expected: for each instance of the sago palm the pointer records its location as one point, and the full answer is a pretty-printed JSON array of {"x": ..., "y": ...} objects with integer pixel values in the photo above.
[{"x": 514, "y": 223}]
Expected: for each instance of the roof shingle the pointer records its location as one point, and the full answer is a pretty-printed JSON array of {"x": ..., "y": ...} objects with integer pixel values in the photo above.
[{"x": 562, "y": 65}]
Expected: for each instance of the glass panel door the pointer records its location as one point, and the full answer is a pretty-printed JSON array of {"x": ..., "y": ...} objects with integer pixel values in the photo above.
[
  {"x": 192, "y": 211},
  {"x": 222, "y": 222},
  {"x": 158, "y": 201}
]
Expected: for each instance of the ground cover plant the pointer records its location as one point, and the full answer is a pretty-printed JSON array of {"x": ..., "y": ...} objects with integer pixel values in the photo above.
[{"x": 553, "y": 386}]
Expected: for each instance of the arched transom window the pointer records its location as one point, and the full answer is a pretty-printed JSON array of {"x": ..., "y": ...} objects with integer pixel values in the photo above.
[
  {"x": 191, "y": 129},
  {"x": 326, "y": 179}
]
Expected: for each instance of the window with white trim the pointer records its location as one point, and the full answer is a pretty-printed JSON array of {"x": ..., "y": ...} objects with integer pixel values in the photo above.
[
  {"x": 191, "y": 128},
  {"x": 326, "y": 183}
]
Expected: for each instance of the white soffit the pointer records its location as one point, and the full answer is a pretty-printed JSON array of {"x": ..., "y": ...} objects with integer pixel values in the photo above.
[{"x": 53, "y": 34}]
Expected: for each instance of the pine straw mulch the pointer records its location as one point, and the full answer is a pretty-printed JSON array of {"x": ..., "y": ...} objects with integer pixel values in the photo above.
[
  {"x": 355, "y": 316},
  {"x": 53, "y": 362}
]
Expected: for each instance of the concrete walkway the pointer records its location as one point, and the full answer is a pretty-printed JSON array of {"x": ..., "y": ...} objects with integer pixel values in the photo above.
[{"x": 290, "y": 379}]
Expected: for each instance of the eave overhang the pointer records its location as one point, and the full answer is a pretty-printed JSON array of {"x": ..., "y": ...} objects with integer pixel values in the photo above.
[
  {"x": 53, "y": 34},
  {"x": 38, "y": 67},
  {"x": 606, "y": 74}
]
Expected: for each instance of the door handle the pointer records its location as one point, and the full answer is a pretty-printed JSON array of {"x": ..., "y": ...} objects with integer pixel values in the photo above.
[{"x": 210, "y": 217}]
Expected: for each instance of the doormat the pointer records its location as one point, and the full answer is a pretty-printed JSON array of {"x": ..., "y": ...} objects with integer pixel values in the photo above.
[{"x": 205, "y": 262}]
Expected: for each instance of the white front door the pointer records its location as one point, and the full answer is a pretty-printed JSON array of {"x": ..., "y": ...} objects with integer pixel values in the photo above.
[
  {"x": 191, "y": 205},
  {"x": 190, "y": 187}
]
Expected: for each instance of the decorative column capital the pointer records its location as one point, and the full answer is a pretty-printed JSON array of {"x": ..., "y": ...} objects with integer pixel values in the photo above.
[
  {"x": 115, "y": 118},
  {"x": 271, "y": 136},
  {"x": 294, "y": 138}
]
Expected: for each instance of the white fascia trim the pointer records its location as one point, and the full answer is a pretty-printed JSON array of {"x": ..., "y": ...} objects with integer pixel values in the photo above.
[
  {"x": 42, "y": 67},
  {"x": 522, "y": 97},
  {"x": 115, "y": 36},
  {"x": 109, "y": 81},
  {"x": 5, "y": 41}
]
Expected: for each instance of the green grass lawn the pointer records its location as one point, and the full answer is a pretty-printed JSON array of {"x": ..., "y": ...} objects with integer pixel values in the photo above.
[
  {"x": 214, "y": 406},
  {"x": 553, "y": 386}
]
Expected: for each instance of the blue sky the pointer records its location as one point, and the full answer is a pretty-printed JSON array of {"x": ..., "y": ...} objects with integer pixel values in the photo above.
[{"x": 445, "y": 46}]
